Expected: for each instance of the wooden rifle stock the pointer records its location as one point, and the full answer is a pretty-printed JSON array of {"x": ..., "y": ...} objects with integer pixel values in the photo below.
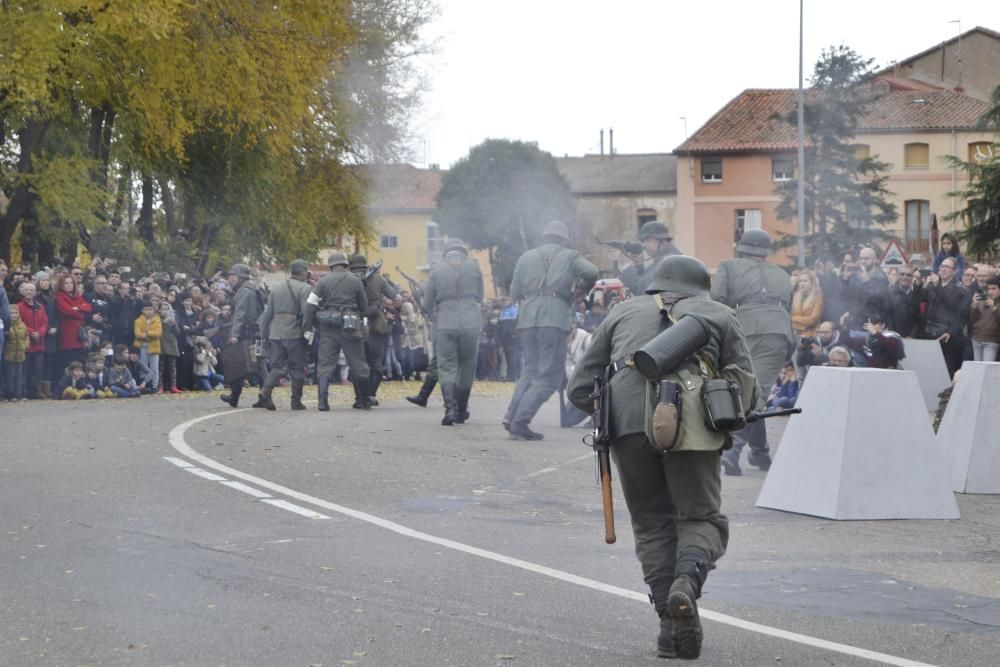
[
  {"x": 604, "y": 467},
  {"x": 602, "y": 445}
]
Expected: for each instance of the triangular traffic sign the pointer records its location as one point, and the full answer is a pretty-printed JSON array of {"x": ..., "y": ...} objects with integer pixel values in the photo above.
[{"x": 894, "y": 256}]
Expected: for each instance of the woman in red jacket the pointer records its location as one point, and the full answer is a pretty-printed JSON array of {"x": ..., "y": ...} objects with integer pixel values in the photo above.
[{"x": 72, "y": 307}]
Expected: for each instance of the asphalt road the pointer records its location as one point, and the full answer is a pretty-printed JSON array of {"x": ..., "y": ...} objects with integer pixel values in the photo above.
[{"x": 133, "y": 535}]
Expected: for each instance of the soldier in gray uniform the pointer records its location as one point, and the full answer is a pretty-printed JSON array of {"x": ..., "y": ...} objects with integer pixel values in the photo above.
[
  {"x": 673, "y": 492},
  {"x": 761, "y": 294},
  {"x": 376, "y": 288},
  {"x": 544, "y": 282},
  {"x": 453, "y": 294},
  {"x": 336, "y": 306},
  {"x": 246, "y": 311},
  {"x": 282, "y": 321},
  {"x": 658, "y": 242}
]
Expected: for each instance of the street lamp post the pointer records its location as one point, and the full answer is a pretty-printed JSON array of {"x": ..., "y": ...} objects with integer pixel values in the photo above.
[{"x": 802, "y": 155}]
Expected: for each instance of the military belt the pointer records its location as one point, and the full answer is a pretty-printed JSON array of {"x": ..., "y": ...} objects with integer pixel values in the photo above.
[
  {"x": 467, "y": 297},
  {"x": 618, "y": 365}
]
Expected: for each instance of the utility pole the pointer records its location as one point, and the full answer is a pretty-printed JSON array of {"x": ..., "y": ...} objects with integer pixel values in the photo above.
[{"x": 802, "y": 155}]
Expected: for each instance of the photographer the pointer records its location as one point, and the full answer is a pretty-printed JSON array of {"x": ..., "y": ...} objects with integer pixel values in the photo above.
[
  {"x": 984, "y": 321},
  {"x": 815, "y": 350}
]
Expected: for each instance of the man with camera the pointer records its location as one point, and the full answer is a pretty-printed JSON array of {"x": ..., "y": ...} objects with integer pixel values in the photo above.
[{"x": 815, "y": 351}]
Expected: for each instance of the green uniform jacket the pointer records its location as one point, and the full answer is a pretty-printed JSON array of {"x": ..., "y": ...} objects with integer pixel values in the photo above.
[
  {"x": 760, "y": 293},
  {"x": 285, "y": 310},
  {"x": 377, "y": 287},
  {"x": 246, "y": 312},
  {"x": 629, "y": 326},
  {"x": 454, "y": 295},
  {"x": 546, "y": 298},
  {"x": 339, "y": 289}
]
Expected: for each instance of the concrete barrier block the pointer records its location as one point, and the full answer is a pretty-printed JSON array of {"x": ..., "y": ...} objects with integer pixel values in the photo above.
[
  {"x": 924, "y": 357},
  {"x": 970, "y": 431},
  {"x": 861, "y": 449}
]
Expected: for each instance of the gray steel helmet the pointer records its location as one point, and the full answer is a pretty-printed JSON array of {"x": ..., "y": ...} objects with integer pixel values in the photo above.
[
  {"x": 654, "y": 229},
  {"x": 755, "y": 242},
  {"x": 240, "y": 271},
  {"x": 299, "y": 266},
  {"x": 337, "y": 259},
  {"x": 681, "y": 273},
  {"x": 455, "y": 243},
  {"x": 557, "y": 230},
  {"x": 359, "y": 262}
]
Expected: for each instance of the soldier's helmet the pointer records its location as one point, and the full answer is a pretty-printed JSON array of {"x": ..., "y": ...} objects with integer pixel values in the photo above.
[
  {"x": 654, "y": 229},
  {"x": 240, "y": 271},
  {"x": 359, "y": 262},
  {"x": 455, "y": 244},
  {"x": 755, "y": 242},
  {"x": 681, "y": 273},
  {"x": 337, "y": 259},
  {"x": 556, "y": 230},
  {"x": 299, "y": 266}
]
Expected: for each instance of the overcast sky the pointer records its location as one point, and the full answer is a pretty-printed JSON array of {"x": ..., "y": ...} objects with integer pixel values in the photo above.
[{"x": 557, "y": 71}]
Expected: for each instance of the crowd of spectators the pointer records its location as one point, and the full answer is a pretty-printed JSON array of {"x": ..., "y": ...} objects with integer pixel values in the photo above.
[
  {"x": 101, "y": 332},
  {"x": 869, "y": 312}
]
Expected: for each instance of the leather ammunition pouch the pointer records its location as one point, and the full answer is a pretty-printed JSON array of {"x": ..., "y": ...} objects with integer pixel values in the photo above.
[{"x": 330, "y": 317}]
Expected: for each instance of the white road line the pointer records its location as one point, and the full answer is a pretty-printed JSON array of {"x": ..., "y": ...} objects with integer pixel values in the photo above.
[
  {"x": 176, "y": 438},
  {"x": 204, "y": 474},
  {"x": 291, "y": 507},
  {"x": 545, "y": 471},
  {"x": 180, "y": 463},
  {"x": 240, "y": 486}
]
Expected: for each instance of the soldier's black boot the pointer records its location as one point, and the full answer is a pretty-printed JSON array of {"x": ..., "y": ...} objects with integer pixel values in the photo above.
[
  {"x": 760, "y": 458},
  {"x": 373, "y": 385},
  {"x": 682, "y": 607},
  {"x": 450, "y": 404},
  {"x": 426, "y": 389},
  {"x": 462, "y": 401},
  {"x": 323, "y": 385},
  {"x": 362, "y": 395},
  {"x": 233, "y": 397},
  {"x": 519, "y": 431},
  {"x": 264, "y": 400},
  {"x": 665, "y": 641},
  {"x": 297, "y": 386}
]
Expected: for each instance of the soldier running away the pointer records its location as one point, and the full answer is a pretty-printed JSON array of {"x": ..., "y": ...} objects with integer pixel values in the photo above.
[
  {"x": 283, "y": 320},
  {"x": 376, "y": 288},
  {"x": 454, "y": 292},
  {"x": 246, "y": 312},
  {"x": 761, "y": 295},
  {"x": 336, "y": 306},
  {"x": 658, "y": 242},
  {"x": 544, "y": 282},
  {"x": 672, "y": 488}
]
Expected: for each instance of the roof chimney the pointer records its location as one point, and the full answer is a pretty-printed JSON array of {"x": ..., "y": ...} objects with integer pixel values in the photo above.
[
  {"x": 602, "y": 142},
  {"x": 611, "y": 141}
]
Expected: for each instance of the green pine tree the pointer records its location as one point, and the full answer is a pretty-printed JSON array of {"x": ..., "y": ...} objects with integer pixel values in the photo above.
[{"x": 845, "y": 194}]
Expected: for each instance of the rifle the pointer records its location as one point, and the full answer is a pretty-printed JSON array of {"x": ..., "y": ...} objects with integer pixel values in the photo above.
[
  {"x": 602, "y": 446},
  {"x": 418, "y": 291},
  {"x": 757, "y": 415},
  {"x": 630, "y": 248},
  {"x": 373, "y": 269}
]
